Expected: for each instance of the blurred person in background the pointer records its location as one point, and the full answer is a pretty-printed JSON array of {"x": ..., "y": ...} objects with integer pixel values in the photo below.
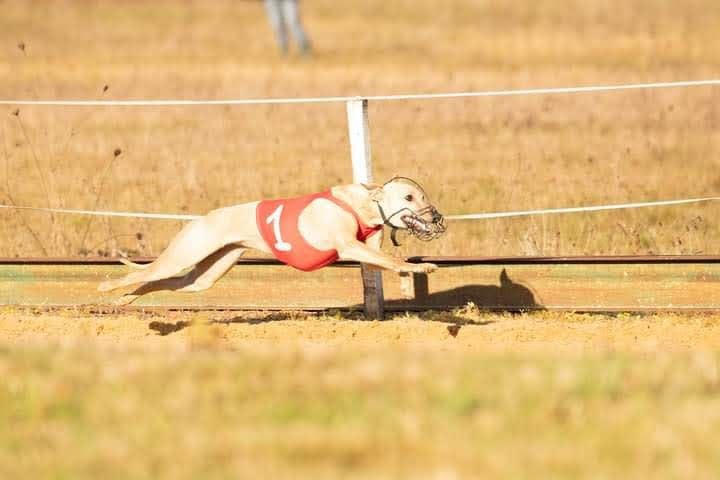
[{"x": 284, "y": 15}]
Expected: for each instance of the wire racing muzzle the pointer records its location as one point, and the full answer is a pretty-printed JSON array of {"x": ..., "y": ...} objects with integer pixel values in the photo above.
[
  {"x": 416, "y": 225},
  {"x": 423, "y": 229}
]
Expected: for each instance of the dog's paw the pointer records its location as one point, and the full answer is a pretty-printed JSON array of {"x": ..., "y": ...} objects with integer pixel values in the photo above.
[
  {"x": 427, "y": 267},
  {"x": 418, "y": 268}
]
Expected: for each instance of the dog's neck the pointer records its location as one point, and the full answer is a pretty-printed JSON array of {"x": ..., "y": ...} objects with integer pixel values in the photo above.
[{"x": 359, "y": 197}]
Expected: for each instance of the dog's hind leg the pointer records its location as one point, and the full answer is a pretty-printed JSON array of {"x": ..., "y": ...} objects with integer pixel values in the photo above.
[
  {"x": 200, "y": 278},
  {"x": 198, "y": 240},
  {"x": 210, "y": 270}
]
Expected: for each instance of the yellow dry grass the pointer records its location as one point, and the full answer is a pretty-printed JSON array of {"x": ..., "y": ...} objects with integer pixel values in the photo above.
[{"x": 474, "y": 154}]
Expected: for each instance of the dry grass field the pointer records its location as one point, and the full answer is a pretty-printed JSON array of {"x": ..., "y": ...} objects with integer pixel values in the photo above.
[{"x": 454, "y": 395}]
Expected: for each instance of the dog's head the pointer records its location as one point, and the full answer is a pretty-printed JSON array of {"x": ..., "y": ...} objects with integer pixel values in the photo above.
[{"x": 403, "y": 204}]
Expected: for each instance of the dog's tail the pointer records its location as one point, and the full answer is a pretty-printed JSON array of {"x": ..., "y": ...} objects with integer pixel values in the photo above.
[{"x": 127, "y": 262}]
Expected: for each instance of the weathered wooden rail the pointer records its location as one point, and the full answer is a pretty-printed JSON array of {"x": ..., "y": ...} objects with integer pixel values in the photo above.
[{"x": 649, "y": 283}]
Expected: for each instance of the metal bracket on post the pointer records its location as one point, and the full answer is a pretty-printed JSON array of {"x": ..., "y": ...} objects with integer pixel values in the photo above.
[{"x": 359, "y": 132}]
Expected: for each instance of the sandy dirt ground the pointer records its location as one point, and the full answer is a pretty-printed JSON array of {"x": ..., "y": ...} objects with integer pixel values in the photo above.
[{"x": 465, "y": 329}]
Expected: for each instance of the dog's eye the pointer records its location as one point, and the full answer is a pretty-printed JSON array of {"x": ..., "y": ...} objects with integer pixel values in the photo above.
[{"x": 408, "y": 198}]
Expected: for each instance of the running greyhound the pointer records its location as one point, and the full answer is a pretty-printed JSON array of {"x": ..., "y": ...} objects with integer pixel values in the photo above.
[{"x": 308, "y": 233}]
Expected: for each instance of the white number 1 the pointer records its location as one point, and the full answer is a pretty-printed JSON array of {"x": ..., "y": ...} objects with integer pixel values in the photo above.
[{"x": 274, "y": 218}]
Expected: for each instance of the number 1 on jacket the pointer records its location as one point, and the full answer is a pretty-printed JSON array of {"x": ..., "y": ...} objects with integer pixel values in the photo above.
[{"x": 274, "y": 218}]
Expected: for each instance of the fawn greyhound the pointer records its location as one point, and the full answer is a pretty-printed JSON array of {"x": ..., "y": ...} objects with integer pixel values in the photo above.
[{"x": 307, "y": 233}]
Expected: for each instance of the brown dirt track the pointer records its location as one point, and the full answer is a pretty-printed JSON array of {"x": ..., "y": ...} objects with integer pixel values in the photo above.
[{"x": 465, "y": 329}]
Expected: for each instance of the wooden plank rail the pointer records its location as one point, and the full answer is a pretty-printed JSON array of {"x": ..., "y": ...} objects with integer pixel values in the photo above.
[{"x": 649, "y": 283}]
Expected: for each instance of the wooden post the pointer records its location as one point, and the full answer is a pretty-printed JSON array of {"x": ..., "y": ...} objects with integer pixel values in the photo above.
[{"x": 359, "y": 132}]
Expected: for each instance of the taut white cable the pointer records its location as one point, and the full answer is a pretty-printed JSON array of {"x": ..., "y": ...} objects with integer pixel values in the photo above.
[
  {"x": 101, "y": 213},
  {"x": 337, "y": 99},
  {"x": 596, "y": 208},
  {"x": 469, "y": 216}
]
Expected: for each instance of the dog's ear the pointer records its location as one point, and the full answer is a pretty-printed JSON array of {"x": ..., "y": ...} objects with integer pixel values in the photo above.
[
  {"x": 377, "y": 193},
  {"x": 373, "y": 189}
]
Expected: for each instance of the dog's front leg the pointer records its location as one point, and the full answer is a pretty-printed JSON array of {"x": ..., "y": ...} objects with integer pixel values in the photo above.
[
  {"x": 358, "y": 251},
  {"x": 375, "y": 243}
]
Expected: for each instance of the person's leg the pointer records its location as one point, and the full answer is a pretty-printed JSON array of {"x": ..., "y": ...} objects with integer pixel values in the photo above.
[
  {"x": 277, "y": 22},
  {"x": 291, "y": 12}
]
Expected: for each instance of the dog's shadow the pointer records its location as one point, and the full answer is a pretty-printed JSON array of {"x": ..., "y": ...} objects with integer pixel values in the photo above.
[
  {"x": 454, "y": 322},
  {"x": 507, "y": 296},
  {"x": 166, "y": 328}
]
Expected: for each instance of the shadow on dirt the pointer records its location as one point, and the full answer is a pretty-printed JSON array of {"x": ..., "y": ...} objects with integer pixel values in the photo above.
[
  {"x": 166, "y": 328},
  {"x": 453, "y": 321},
  {"x": 509, "y": 296},
  {"x": 266, "y": 317}
]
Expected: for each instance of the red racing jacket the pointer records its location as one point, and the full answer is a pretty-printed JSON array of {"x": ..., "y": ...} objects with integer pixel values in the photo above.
[{"x": 277, "y": 221}]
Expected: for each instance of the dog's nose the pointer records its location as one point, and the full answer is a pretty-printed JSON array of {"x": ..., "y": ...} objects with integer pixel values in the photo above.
[{"x": 436, "y": 216}]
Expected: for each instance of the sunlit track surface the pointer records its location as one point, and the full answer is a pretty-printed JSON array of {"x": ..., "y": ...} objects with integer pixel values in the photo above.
[{"x": 593, "y": 284}]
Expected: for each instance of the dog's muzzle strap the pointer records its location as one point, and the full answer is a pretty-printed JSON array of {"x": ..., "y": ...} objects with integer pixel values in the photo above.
[
  {"x": 386, "y": 221},
  {"x": 393, "y": 237}
]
